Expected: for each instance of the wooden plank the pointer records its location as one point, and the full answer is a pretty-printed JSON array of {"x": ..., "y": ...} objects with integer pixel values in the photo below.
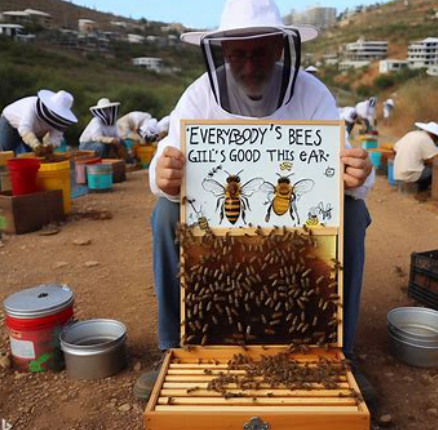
[
  {"x": 193, "y": 369},
  {"x": 207, "y": 378},
  {"x": 172, "y": 392},
  {"x": 158, "y": 384},
  {"x": 236, "y": 420},
  {"x": 184, "y": 385},
  {"x": 241, "y": 401},
  {"x": 256, "y": 409}
]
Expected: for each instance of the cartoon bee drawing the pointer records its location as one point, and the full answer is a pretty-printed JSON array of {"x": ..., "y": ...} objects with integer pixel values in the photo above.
[
  {"x": 233, "y": 197},
  {"x": 201, "y": 219},
  {"x": 325, "y": 212},
  {"x": 313, "y": 220},
  {"x": 283, "y": 196}
]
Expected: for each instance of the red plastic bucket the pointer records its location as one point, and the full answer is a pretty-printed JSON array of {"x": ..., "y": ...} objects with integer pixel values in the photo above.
[
  {"x": 23, "y": 173},
  {"x": 35, "y": 318}
]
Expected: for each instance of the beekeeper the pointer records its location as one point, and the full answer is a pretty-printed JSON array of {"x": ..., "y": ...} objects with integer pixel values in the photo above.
[
  {"x": 349, "y": 115},
  {"x": 36, "y": 123},
  {"x": 129, "y": 125},
  {"x": 414, "y": 155},
  {"x": 388, "y": 109},
  {"x": 150, "y": 131},
  {"x": 163, "y": 126},
  {"x": 101, "y": 134},
  {"x": 253, "y": 72},
  {"x": 366, "y": 112}
]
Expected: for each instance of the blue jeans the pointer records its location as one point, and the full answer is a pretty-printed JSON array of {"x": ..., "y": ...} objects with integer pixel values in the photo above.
[
  {"x": 10, "y": 139},
  {"x": 166, "y": 258}
]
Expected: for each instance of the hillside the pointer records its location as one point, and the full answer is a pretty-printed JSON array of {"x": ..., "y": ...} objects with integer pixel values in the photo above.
[
  {"x": 394, "y": 21},
  {"x": 64, "y": 14}
]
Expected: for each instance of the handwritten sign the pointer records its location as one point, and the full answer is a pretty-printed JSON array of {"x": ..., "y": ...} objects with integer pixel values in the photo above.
[{"x": 262, "y": 173}]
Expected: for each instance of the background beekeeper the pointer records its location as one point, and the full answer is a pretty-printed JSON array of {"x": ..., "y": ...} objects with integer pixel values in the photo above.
[
  {"x": 101, "y": 134},
  {"x": 414, "y": 154},
  {"x": 36, "y": 123},
  {"x": 252, "y": 72},
  {"x": 349, "y": 115},
  {"x": 129, "y": 125},
  {"x": 388, "y": 109},
  {"x": 366, "y": 112}
]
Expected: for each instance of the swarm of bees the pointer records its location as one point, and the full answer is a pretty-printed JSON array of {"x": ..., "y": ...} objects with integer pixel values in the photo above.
[
  {"x": 277, "y": 371},
  {"x": 257, "y": 289}
]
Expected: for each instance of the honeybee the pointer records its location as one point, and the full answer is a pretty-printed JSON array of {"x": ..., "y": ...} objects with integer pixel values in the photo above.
[
  {"x": 283, "y": 196},
  {"x": 233, "y": 195},
  {"x": 325, "y": 212}
]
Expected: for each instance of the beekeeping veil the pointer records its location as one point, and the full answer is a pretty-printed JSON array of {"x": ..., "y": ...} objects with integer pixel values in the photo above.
[
  {"x": 251, "y": 20},
  {"x": 106, "y": 111}
]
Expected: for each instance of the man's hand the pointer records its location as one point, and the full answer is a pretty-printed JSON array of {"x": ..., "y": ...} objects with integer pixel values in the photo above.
[
  {"x": 357, "y": 166},
  {"x": 169, "y": 171},
  {"x": 43, "y": 150}
]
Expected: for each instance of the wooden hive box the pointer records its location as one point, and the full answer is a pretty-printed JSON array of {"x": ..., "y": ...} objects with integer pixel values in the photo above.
[{"x": 268, "y": 310}]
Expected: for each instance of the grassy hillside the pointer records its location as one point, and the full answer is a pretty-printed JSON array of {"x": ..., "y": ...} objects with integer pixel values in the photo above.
[
  {"x": 27, "y": 68},
  {"x": 392, "y": 21}
]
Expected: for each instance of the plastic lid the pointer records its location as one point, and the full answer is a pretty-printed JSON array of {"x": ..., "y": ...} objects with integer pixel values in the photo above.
[{"x": 40, "y": 301}]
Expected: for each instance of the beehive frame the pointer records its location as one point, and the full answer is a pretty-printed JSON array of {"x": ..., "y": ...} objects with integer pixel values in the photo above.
[{"x": 180, "y": 397}]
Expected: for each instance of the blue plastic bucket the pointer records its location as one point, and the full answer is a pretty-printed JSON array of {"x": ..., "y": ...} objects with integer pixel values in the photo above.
[
  {"x": 369, "y": 144},
  {"x": 391, "y": 179},
  {"x": 376, "y": 159},
  {"x": 100, "y": 177}
]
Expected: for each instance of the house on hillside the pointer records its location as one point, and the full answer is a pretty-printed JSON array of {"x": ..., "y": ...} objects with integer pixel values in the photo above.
[
  {"x": 330, "y": 59},
  {"x": 321, "y": 17},
  {"x": 423, "y": 53},
  {"x": 366, "y": 50},
  {"x": 392, "y": 65},
  {"x": 432, "y": 70},
  {"x": 41, "y": 18},
  {"x": 11, "y": 30},
  {"x": 87, "y": 26},
  {"x": 15, "y": 17},
  {"x": 149, "y": 63},
  {"x": 135, "y": 38}
]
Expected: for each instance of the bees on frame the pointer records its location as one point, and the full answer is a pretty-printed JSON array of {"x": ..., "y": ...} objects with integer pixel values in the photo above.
[
  {"x": 283, "y": 196},
  {"x": 233, "y": 195}
]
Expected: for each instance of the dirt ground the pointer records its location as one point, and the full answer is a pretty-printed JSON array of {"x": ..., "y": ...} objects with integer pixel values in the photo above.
[{"x": 119, "y": 285}]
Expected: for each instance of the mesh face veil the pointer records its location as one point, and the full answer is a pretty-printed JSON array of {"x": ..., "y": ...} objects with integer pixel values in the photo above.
[
  {"x": 253, "y": 75},
  {"x": 108, "y": 115},
  {"x": 51, "y": 118}
]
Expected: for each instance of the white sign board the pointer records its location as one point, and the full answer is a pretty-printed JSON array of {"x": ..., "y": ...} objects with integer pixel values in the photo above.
[{"x": 264, "y": 174}]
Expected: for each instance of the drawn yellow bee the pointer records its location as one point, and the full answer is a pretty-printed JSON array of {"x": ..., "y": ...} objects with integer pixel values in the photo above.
[
  {"x": 312, "y": 217},
  {"x": 283, "y": 196},
  {"x": 202, "y": 220},
  {"x": 233, "y": 196}
]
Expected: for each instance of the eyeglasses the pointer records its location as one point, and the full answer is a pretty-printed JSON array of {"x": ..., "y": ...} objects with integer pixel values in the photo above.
[{"x": 258, "y": 56}]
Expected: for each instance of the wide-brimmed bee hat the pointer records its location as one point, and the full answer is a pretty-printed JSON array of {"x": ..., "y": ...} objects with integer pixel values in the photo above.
[
  {"x": 243, "y": 17},
  {"x": 106, "y": 110},
  {"x": 246, "y": 20},
  {"x": 55, "y": 108}
]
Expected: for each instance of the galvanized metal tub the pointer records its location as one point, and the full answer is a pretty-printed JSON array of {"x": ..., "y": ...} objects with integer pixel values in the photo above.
[
  {"x": 414, "y": 323},
  {"x": 94, "y": 349}
]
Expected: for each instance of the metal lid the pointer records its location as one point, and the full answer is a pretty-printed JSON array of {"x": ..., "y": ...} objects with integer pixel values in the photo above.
[{"x": 40, "y": 301}]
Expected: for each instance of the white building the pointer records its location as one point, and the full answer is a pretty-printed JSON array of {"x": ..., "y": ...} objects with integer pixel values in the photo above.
[
  {"x": 136, "y": 38},
  {"x": 330, "y": 59},
  {"x": 391, "y": 65},
  {"x": 366, "y": 50},
  {"x": 322, "y": 17},
  {"x": 149, "y": 63},
  {"x": 87, "y": 26},
  {"x": 423, "y": 53},
  {"x": 11, "y": 30},
  {"x": 344, "y": 65},
  {"x": 42, "y": 18},
  {"x": 15, "y": 17}
]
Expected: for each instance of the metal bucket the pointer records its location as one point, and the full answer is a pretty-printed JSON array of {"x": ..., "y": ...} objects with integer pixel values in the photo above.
[
  {"x": 94, "y": 349},
  {"x": 415, "y": 323},
  {"x": 413, "y": 336}
]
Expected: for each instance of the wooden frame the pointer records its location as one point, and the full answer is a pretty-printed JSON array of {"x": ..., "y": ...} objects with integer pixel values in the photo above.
[{"x": 318, "y": 408}]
